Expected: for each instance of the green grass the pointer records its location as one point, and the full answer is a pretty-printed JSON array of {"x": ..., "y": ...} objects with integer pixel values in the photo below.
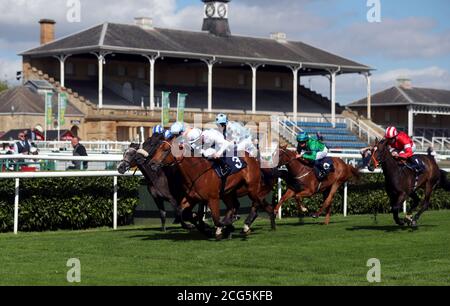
[{"x": 296, "y": 254}]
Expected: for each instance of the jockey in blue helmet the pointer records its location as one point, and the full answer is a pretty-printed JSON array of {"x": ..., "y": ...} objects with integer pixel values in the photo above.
[
  {"x": 168, "y": 135},
  {"x": 222, "y": 121},
  {"x": 158, "y": 129}
]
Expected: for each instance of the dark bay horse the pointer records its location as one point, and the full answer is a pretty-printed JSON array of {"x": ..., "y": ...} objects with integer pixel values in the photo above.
[
  {"x": 302, "y": 182},
  {"x": 202, "y": 185},
  {"x": 401, "y": 181},
  {"x": 158, "y": 184}
]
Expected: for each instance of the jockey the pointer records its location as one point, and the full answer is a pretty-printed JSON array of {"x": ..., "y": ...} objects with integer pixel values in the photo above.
[
  {"x": 158, "y": 129},
  {"x": 168, "y": 135},
  {"x": 177, "y": 129},
  {"x": 315, "y": 152},
  {"x": 221, "y": 122},
  {"x": 403, "y": 148},
  {"x": 212, "y": 145}
]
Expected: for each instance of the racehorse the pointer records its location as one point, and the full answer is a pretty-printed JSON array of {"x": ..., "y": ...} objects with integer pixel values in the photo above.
[
  {"x": 202, "y": 184},
  {"x": 157, "y": 184},
  {"x": 402, "y": 182},
  {"x": 302, "y": 181}
]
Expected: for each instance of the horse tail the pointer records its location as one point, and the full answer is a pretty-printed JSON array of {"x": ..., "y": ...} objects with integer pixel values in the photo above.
[{"x": 444, "y": 182}]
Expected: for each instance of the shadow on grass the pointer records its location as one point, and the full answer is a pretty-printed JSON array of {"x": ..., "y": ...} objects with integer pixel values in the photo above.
[
  {"x": 184, "y": 235},
  {"x": 387, "y": 228}
]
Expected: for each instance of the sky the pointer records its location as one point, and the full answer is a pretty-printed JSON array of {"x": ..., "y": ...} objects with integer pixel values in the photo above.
[{"x": 411, "y": 40}]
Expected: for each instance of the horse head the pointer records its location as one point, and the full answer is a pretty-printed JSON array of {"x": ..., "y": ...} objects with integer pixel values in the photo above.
[
  {"x": 285, "y": 156},
  {"x": 378, "y": 153},
  {"x": 129, "y": 158}
]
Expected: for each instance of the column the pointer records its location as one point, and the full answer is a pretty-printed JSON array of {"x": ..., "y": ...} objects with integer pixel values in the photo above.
[
  {"x": 62, "y": 59},
  {"x": 369, "y": 96},
  {"x": 411, "y": 121},
  {"x": 210, "y": 64},
  {"x": 254, "y": 69},
  {"x": 333, "y": 98},
  {"x": 101, "y": 61},
  {"x": 152, "y": 59},
  {"x": 295, "y": 70}
]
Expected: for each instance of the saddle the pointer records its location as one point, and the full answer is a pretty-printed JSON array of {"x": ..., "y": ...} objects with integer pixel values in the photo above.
[{"x": 323, "y": 167}]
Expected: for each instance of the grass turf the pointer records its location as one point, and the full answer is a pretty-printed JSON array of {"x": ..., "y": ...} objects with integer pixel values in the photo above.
[{"x": 296, "y": 254}]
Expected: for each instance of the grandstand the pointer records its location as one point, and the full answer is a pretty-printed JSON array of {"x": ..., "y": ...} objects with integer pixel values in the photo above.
[{"x": 115, "y": 73}]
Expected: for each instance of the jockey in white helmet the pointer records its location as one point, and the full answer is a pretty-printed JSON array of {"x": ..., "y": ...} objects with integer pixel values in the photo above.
[{"x": 211, "y": 143}]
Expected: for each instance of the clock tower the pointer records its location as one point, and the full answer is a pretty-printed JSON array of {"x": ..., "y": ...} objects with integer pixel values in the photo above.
[{"x": 216, "y": 17}]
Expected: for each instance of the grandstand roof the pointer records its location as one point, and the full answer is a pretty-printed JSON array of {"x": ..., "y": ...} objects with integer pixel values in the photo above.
[
  {"x": 24, "y": 100},
  {"x": 132, "y": 39},
  {"x": 399, "y": 96}
]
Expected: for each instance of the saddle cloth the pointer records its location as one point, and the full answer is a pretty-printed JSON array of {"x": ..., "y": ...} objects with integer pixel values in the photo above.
[{"x": 235, "y": 164}]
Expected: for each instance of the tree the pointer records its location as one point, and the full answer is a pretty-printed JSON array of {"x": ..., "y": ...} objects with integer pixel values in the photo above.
[{"x": 3, "y": 85}]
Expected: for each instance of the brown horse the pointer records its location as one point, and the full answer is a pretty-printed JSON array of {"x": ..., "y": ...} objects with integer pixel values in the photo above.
[
  {"x": 402, "y": 182},
  {"x": 202, "y": 185},
  {"x": 303, "y": 182}
]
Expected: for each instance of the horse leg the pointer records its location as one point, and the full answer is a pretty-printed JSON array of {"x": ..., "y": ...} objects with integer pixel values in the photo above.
[
  {"x": 396, "y": 204},
  {"x": 426, "y": 204},
  {"x": 416, "y": 202},
  {"x": 289, "y": 194},
  {"x": 162, "y": 212},
  {"x": 214, "y": 206},
  {"x": 328, "y": 201}
]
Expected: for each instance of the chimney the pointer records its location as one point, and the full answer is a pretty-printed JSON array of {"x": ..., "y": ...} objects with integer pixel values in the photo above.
[
  {"x": 215, "y": 20},
  {"x": 47, "y": 30},
  {"x": 404, "y": 83},
  {"x": 279, "y": 37},
  {"x": 145, "y": 23}
]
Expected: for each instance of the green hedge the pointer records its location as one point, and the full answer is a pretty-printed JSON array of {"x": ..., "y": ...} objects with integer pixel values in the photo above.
[
  {"x": 67, "y": 203},
  {"x": 367, "y": 196}
]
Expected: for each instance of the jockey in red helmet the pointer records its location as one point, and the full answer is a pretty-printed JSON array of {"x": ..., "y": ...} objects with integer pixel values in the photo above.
[{"x": 402, "y": 147}]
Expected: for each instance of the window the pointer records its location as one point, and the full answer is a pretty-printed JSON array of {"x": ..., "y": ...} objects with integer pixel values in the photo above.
[
  {"x": 278, "y": 82},
  {"x": 92, "y": 70},
  {"x": 69, "y": 68}
]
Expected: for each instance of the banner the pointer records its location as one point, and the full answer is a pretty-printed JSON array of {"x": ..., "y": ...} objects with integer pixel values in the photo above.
[
  {"x": 48, "y": 109},
  {"x": 165, "y": 108},
  {"x": 181, "y": 104},
  {"x": 62, "y": 108}
]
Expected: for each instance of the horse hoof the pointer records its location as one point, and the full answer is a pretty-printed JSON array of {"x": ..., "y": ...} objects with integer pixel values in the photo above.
[
  {"x": 246, "y": 233},
  {"x": 315, "y": 216},
  {"x": 414, "y": 224},
  {"x": 163, "y": 229}
]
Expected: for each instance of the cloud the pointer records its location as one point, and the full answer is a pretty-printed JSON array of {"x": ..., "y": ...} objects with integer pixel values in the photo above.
[
  {"x": 8, "y": 69},
  {"x": 408, "y": 38},
  {"x": 432, "y": 77}
]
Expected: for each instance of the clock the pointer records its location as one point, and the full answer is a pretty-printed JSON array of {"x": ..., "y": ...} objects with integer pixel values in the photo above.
[
  {"x": 222, "y": 10},
  {"x": 210, "y": 10}
]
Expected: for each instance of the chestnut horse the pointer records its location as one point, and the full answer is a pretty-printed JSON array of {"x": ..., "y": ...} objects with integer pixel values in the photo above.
[
  {"x": 158, "y": 184},
  {"x": 402, "y": 182},
  {"x": 302, "y": 182},
  {"x": 202, "y": 184}
]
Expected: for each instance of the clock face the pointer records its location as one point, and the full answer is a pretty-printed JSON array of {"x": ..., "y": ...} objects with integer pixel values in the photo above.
[
  {"x": 222, "y": 10},
  {"x": 210, "y": 10}
]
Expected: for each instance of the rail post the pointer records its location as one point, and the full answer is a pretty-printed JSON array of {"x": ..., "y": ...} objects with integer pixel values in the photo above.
[
  {"x": 115, "y": 204},
  {"x": 279, "y": 197},
  {"x": 16, "y": 207},
  {"x": 345, "y": 199}
]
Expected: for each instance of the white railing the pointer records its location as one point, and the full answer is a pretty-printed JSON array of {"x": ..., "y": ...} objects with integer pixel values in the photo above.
[
  {"x": 30, "y": 175},
  {"x": 364, "y": 131},
  {"x": 91, "y": 146}
]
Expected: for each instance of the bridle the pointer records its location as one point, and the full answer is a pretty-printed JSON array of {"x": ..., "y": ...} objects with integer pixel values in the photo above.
[{"x": 284, "y": 151}]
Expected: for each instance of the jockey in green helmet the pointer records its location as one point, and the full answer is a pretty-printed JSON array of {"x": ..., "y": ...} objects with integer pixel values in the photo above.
[{"x": 314, "y": 151}]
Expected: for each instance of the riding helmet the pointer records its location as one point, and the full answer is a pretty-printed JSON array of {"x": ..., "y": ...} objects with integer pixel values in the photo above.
[
  {"x": 158, "y": 129},
  {"x": 303, "y": 136},
  {"x": 221, "y": 119},
  {"x": 391, "y": 132}
]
